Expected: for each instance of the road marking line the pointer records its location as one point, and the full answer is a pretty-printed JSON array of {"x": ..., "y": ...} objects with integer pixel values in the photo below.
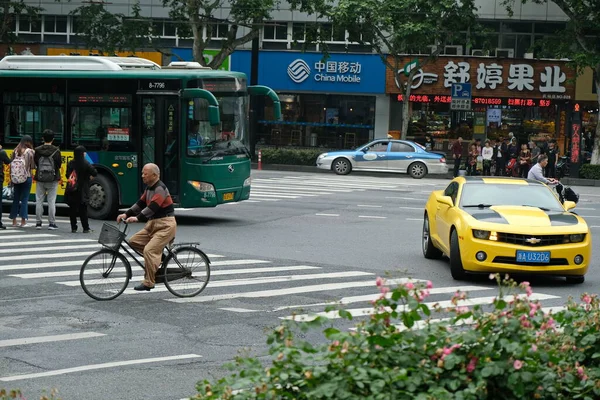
[
  {"x": 368, "y": 205},
  {"x": 97, "y": 366},
  {"x": 269, "y": 192},
  {"x": 412, "y": 208},
  {"x": 260, "y": 280},
  {"x": 27, "y": 236},
  {"x": 80, "y": 262},
  {"x": 414, "y": 219},
  {"x": 81, "y": 246},
  {"x": 47, "y": 339},
  {"x": 405, "y": 198},
  {"x": 359, "y": 312},
  {"x": 239, "y": 310},
  {"x": 278, "y": 196},
  {"x": 327, "y": 215},
  {"x": 38, "y": 242},
  {"x": 585, "y": 208},
  {"x": 594, "y": 226},
  {"x": 590, "y": 216},
  {"x": 371, "y": 216},
  {"x": 37, "y": 275},
  {"x": 283, "y": 292},
  {"x": 371, "y": 297}
]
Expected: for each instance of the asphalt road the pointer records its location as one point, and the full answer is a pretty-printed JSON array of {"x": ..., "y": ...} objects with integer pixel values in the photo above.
[{"x": 301, "y": 241}]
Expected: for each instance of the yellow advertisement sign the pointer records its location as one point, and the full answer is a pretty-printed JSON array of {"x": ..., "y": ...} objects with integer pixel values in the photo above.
[
  {"x": 148, "y": 55},
  {"x": 66, "y": 157}
]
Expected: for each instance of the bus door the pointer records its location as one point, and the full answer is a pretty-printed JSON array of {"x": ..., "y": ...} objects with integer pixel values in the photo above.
[{"x": 159, "y": 127}]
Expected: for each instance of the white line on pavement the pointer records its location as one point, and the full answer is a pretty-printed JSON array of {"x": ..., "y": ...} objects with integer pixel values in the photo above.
[
  {"x": 414, "y": 219},
  {"x": 27, "y": 236},
  {"x": 368, "y": 205},
  {"x": 327, "y": 215},
  {"x": 270, "y": 192},
  {"x": 279, "y": 196},
  {"x": 80, "y": 246},
  {"x": 97, "y": 366},
  {"x": 47, "y": 339},
  {"x": 38, "y": 242},
  {"x": 371, "y": 216},
  {"x": 412, "y": 208}
]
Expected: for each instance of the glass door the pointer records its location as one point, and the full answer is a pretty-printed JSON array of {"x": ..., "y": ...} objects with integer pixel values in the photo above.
[{"x": 160, "y": 144}]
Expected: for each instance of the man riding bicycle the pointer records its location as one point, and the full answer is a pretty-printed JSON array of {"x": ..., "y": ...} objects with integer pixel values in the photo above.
[{"x": 155, "y": 207}]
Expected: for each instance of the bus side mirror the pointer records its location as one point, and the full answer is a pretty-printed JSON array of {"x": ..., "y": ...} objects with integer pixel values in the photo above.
[
  {"x": 214, "y": 114},
  {"x": 260, "y": 90}
]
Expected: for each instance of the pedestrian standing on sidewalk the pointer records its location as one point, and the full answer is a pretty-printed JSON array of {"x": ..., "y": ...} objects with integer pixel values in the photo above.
[
  {"x": 47, "y": 175},
  {"x": 21, "y": 168},
  {"x": 457, "y": 154},
  {"x": 3, "y": 160},
  {"x": 487, "y": 153},
  {"x": 77, "y": 193}
]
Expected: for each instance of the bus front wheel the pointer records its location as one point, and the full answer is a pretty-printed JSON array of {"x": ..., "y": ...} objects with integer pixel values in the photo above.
[{"x": 103, "y": 198}]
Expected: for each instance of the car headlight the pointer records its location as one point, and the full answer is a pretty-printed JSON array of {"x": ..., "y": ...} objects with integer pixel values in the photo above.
[
  {"x": 481, "y": 234},
  {"x": 576, "y": 237},
  {"x": 322, "y": 155}
]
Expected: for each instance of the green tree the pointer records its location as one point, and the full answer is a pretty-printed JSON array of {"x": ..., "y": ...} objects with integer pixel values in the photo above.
[
  {"x": 404, "y": 27},
  {"x": 579, "y": 42},
  {"x": 9, "y": 12},
  {"x": 107, "y": 32}
]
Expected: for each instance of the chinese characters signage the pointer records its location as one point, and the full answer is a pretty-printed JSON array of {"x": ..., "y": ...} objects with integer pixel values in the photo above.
[
  {"x": 509, "y": 78},
  {"x": 479, "y": 101}
]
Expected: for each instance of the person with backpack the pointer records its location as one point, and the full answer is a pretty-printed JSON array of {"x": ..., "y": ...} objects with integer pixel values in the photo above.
[
  {"x": 21, "y": 167},
  {"x": 3, "y": 160},
  {"x": 47, "y": 175},
  {"x": 77, "y": 193}
]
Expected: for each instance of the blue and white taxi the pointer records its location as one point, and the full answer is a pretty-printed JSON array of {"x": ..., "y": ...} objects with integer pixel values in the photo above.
[{"x": 385, "y": 155}]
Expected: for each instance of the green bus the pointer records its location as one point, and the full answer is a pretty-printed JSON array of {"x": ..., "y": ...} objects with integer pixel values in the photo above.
[{"x": 192, "y": 121}]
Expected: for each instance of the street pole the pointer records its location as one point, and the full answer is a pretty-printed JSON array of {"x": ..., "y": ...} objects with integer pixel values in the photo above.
[{"x": 254, "y": 100}]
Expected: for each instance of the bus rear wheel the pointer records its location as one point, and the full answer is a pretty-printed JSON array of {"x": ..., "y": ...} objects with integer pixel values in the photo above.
[{"x": 103, "y": 198}]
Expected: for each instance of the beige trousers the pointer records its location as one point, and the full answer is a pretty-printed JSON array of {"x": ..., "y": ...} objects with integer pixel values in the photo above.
[{"x": 151, "y": 241}]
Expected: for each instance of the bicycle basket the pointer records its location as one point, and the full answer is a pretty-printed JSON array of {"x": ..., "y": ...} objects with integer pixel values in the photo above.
[{"x": 111, "y": 236}]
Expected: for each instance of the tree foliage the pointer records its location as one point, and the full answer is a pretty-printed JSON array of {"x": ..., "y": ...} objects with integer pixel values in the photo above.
[
  {"x": 9, "y": 12},
  {"x": 579, "y": 42},
  {"x": 403, "y": 27}
]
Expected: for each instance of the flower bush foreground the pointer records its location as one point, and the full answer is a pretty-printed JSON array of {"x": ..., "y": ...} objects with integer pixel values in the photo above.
[{"x": 516, "y": 351}]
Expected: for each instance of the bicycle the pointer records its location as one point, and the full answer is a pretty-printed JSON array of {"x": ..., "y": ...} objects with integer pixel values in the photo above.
[{"x": 105, "y": 274}]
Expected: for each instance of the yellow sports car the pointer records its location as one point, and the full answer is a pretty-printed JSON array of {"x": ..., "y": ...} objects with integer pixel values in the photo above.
[{"x": 505, "y": 225}]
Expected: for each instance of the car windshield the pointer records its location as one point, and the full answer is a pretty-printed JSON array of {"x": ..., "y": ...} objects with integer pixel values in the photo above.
[{"x": 509, "y": 195}]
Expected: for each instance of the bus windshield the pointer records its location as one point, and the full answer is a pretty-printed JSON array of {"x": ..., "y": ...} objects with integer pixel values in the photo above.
[{"x": 229, "y": 138}]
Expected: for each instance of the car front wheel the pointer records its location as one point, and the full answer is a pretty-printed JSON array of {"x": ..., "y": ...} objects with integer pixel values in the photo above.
[
  {"x": 417, "y": 170},
  {"x": 341, "y": 166},
  {"x": 456, "y": 267},
  {"x": 429, "y": 249}
]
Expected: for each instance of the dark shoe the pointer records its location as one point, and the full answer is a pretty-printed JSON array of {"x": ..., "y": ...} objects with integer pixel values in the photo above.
[
  {"x": 73, "y": 230},
  {"x": 52, "y": 227},
  {"x": 142, "y": 287},
  {"x": 38, "y": 225},
  {"x": 88, "y": 230},
  {"x": 2, "y": 227}
]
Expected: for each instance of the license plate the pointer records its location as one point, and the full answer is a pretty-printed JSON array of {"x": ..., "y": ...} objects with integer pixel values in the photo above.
[
  {"x": 228, "y": 196},
  {"x": 533, "y": 256}
]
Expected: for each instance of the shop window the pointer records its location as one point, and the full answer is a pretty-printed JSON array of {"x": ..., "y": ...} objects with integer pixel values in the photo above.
[
  {"x": 331, "y": 33},
  {"x": 298, "y": 32},
  {"x": 523, "y": 45},
  {"x": 549, "y": 27},
  {"x": 55, "y": 24},
  {"x": 275, "y": 32},
  {"x": 517, "y": 27},
  {"x": 219, "y": 31},
  {"x": 29, "y": 24}
]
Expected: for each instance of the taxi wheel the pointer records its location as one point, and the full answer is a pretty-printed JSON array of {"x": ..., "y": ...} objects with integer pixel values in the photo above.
[
  {"x": 575, "y": 279},
  {"x": 429, "y": 249},
  {"x": 341, "y": 166},
  {"x": 417, "y": 170},
  {"x": 456, "y": 268}
]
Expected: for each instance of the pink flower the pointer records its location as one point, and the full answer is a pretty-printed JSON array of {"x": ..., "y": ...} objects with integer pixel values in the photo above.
[
  {"x": 518, "y": 364},
  {"x": 472, "y": 364},
  {"x": 462, "y": 310},
  {"x": 384, "y": 290},
  {"x": 409, "y": 285},
  {"x": 492, "y": 277},
  {"x": 379, "y": 281},
  {"x": 429, "y": 285},
  {"x": 533, "y": 347},
  {"x": 447, "y": 351},
  {"x": 587, "y": 299}
]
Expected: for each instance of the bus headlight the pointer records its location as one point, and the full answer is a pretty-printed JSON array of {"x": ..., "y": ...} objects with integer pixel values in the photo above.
[
  {"x": 202, "y": 187},
  {"x": 247, "y": 182}
]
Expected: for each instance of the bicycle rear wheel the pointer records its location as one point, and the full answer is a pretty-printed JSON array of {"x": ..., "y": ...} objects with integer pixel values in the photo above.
[
  {"x": 104, "y": 275},
  {"x": 187, "y": 272}
]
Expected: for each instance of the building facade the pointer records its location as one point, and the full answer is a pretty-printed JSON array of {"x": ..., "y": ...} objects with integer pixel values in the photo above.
[{"x": 350, "y": 98}]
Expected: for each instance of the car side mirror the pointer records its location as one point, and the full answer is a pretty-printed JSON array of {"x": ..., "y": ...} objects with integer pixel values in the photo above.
[
  {"x": 569, "y": 205},
  {"x": 447, "y": 200}
]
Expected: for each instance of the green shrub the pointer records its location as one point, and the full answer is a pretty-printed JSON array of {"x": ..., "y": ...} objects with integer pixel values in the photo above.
[
  {"x": 290, "y": 156},
  {"x": 589, "y": 171},
  {"x": 516, "y": 351}
]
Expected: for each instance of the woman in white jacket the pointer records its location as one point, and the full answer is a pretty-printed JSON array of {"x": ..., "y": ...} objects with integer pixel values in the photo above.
[{"x": 487, "y": 152}]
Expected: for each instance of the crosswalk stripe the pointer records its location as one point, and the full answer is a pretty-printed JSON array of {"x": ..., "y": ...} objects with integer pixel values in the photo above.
[
  {"x": 298, "y": 187},
  {"x": 269, "y": 192},
  {"x": 278, "y": 292},
  {"x": 372, "y": 297},
  {"x": 360, "y": 180},
  {"x": 54, "y": 248},
  {"x": 240, "y": 271},
  {"x": 20, "y": 245},
  {"x": 253, "y": 195},
  {"x": 51, "y": 255},
  {"x": 263, "y": 280},
  {"x": 358, "y": 312},
  {"x": 347, "y": 185},
  {"x": 47, "y": 339},
  {"x": 78, "y": 263},
  {"x": 27, "y": 236}
]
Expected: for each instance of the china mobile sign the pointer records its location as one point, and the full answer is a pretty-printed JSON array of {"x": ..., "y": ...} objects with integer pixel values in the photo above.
[
  {"x": 490, "y": 77},
  {"x": 325, "y": 71}
]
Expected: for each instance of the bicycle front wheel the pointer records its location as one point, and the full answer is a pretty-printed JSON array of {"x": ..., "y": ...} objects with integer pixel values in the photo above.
[
  {"x": 187, "y": 272},
  {"x": 104, "y": 275}
]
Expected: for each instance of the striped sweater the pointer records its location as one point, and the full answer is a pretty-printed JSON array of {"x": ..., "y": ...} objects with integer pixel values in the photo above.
[{"x": 156, "y": 202}]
